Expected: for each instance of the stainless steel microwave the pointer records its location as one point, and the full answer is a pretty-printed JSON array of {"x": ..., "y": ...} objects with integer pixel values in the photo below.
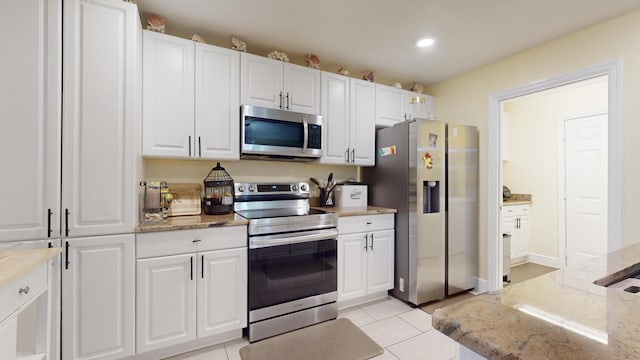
[{"x": 278, "y": 134}]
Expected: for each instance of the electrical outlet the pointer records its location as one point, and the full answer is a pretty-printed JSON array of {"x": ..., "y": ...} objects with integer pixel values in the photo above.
[{"x": 401, "y": 284}]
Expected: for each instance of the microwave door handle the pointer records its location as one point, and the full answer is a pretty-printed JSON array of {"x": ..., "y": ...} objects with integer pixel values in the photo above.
[{"x": 305, "y": 126}]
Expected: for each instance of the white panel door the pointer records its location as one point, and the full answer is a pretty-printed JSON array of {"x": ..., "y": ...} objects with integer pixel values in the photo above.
[
  {"x": 586, "y": 181},
  {"x": 352, "y": 266},
  {"x": 301, "y": 89},
  {"x": 335, "y": 118},
  {"x": 380, "y": 260},
  {"x": 217, "y": 103},
  {"x": 168, "y": 96},
  {"x": 222, "y": 291},
  {"x": 165, "y": 301},
  {"x": 261, "y": 81},
  {"x": 98, "y": 297},
  {"x": 99, "y": 149},
  {"x": 363, "y": 127},
  {"x": 30, "y": 96}
]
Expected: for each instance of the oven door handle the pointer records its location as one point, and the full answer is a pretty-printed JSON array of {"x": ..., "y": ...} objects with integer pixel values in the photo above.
[{"x": 292, "y": 238}]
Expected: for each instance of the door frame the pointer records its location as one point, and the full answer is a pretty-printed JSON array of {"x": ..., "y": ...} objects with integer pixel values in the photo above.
[
  {"x": 494, "y": 158},
  {"x": 562, "y": 203}
]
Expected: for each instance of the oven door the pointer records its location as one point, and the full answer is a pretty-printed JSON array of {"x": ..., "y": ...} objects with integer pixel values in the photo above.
[
  {"x": 282, "y": 275},
  {"x": 281, "y": 133}
]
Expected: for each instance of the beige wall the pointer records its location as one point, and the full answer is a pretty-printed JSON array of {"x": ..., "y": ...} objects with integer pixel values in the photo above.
[
  {"x": 464, "y": 99},
  {"x": 196, "y": 171},
  {"x": 533, "y": 141}
]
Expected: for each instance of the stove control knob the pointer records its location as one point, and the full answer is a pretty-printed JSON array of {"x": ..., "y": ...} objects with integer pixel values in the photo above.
[
  {"x": 241, "y": 188},
  {"x": 252, "y": 188},
  {"x": 303, "y": 187},
  {"x": 294, "y": 187}
]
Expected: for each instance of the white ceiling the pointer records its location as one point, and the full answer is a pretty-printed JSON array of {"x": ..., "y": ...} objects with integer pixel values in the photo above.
[{"x": 380, "y": 35}]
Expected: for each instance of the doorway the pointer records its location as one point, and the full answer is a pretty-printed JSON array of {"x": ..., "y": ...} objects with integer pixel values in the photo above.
[{"x": 613, "y": 72}]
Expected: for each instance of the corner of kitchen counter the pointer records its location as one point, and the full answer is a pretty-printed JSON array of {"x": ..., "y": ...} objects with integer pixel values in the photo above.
[
  {"x": 193, "y": 222},
  {"x": 357, "y": 211}
]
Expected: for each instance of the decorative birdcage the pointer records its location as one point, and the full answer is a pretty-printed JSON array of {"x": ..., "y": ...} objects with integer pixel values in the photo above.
[{"x": 218, "y": 192}]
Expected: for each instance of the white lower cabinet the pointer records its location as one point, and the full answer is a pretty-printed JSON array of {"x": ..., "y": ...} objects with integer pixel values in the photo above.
[
  {"x": 515, "y": 221},
  {"x": 190, "y": 284},
  {"x": 98, "y": 297},
  {"x": 365, "y": 255}
]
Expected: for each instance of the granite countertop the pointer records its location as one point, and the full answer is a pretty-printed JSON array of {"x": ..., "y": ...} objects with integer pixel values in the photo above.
[
  {"x": 560, "y": 315},
  {"x": 14, "y": 263},
  {"x": 193, "y": 222},
  {"x": 517, "y": 199},
  {"x": 356, "y": 211}
]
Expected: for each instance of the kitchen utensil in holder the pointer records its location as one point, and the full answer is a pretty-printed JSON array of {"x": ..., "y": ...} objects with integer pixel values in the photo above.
[
  {"x": 152, "y": 202},
  {"x": 327, "y": 199},
  {"x": 218, "y": 192}
]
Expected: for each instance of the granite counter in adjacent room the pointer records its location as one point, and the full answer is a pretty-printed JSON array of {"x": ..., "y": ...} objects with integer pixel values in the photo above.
[
  {"x": 193, "y": 222},
  {"x": 560, "y": 315}
]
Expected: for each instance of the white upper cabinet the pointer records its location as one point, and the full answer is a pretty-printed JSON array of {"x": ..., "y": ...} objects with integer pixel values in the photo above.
[
  {"x": 395, "y": 105},
  {"x": 190, "y": 99},
  {"x": 363, "y": 128},
  {"x": 30, "y": 96},
  {"x": 217, "y": 107},
  {"x": 99, "y": 151},
  {"x": 278, "y": 85},
  {"x": 348, "y": 111},
  {"x": 168, "y": 93}
]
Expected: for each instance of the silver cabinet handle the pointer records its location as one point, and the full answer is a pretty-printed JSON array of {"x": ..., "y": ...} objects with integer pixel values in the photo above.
[
  {"x": 280, "y": 99},
  {"x": 347, "y": 155},
  {"x": 371, "y": 247},
  {"x": 353, "y": 155},
  {"x": 199, "y": 147},
  {"x": 287, "y": 101},
  {"x": 366, "y": 241},
  {"x": 196, "y": 240},
  {"x": 24, "y": 290}
]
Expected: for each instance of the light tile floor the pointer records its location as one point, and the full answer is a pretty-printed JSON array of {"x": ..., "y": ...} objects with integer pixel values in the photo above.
[{"x": 405, "y": 333}]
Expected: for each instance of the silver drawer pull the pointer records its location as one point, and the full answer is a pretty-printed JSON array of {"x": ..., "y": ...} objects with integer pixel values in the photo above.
[
  {"x": 196, "y": 240},
  {"x": 24, "y": 290},
  {"x": 368, "y": 222}
]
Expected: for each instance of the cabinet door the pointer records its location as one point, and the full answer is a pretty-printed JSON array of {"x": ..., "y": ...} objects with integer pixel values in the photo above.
[
  {"x": 261, "y": 81},
  {"x": 217, "y": 103},
  {"x": 30, "y": 112},
  {"x": 418, "y": 105},
  {"x": 301, "y": 89},
  {"x": 335, "y": 118},
  {"x": 222, "y": 291},
  {"x": 101, "y": 55},
  {"x": 166, "y": 301},
  {"x": 390, "y": 105},
  {"x": 352, "y": 266},
  {"x": 380, "y": 258},
  {"x": 168, "y": 96},
  {"x": 363, "y": 127},
  {"x": 524, "y": 236},
  {"x": 9, "y": 338},
  {"x": 98, "y": 298}
]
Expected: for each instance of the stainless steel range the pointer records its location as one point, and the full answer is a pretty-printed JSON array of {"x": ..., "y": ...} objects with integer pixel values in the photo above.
[{"x": 292, "y": 258}]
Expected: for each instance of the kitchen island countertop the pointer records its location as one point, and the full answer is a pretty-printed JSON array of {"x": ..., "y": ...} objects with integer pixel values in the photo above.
[
  {"x": 14, "y": 263},
  {"x": 560, "y": 315},
  {"x": 193, "y": 222}
]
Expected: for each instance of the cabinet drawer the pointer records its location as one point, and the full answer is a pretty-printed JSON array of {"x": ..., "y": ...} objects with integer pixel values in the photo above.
[
  {"x": 515, "y": 210},
  {"x": 364, "y": 223},
  {"x": 10, "y": 296},
  {"x": 189, "y": 241}
]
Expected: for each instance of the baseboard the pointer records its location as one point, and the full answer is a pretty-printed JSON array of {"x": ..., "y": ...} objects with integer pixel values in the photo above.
[
  {"x": 346, "y": 304},
  {"x": 189, "y": 346},
  {"x": 544, "y": 260},
  {"x": 482, "y": 286}
]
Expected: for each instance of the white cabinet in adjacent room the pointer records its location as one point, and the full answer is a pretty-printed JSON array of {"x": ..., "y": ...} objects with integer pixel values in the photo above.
[
  {"x": 278, "y": 85},
  {"x": 192, "y": 284},
  {"x": 365, "y": 256},
  {"x": 98, "y": 297},
  {"x": 348, "y": 110},
  {"x": 515, "y": 221},
  {"x": 101, "y": 111},
  {"x": 191, "y": 99},
  {"x": 30, "y": 97}
]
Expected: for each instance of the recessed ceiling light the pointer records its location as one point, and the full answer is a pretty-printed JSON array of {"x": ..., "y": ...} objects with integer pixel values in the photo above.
[{"x": 426, "y": 42}]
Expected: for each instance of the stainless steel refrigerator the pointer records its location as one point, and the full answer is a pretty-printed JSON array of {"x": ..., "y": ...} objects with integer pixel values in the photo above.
[{"x": 428, "y": 171}]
